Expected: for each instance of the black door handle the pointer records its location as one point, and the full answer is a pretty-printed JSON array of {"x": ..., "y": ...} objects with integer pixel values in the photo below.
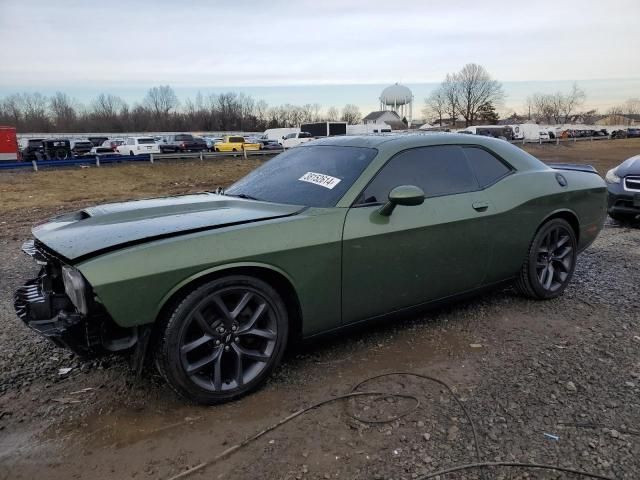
[{"x": 480, "y": 206}]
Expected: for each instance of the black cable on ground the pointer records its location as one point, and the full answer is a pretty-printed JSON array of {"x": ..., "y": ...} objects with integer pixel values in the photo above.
[
  {"x": 353, "y": 394},
  {"x": 445, "y": 385},
  {"x": 296, "y": 414},
  {"x": 512, "y": 464}
]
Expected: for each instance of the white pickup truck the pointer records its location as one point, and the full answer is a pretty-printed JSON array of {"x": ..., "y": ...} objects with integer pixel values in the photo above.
[{"x": 294, "y": 139}]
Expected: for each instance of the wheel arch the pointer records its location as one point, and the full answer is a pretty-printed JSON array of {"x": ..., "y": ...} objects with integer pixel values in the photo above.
[
  {"x": 274, "y": 276},
  {"x": 565, "y": 214}
]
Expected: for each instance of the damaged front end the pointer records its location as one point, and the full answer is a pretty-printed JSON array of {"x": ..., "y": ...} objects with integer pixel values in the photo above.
[{"x": 60, "y": 305}]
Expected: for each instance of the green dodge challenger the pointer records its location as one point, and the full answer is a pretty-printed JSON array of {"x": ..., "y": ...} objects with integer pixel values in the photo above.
[{"x": 329, "y": 234}]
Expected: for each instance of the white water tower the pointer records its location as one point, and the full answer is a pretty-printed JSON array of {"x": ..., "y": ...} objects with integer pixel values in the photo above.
[{"x": 398, "y": 98}]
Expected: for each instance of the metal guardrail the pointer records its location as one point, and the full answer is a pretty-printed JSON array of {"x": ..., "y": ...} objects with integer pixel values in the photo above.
[
  {"x": 559, "y": 140},
  {"x": 151, "y": 158}
]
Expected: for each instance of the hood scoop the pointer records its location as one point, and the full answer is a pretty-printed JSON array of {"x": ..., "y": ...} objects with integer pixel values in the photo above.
[{"x": 103, "y": 228}]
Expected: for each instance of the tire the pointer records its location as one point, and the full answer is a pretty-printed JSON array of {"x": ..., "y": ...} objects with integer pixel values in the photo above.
[
  {"x": 132, "y": 154},
  {"x": 60, "y": 154},
  {"x": 550, "y": 261},
  {"x": 235, "y": 150},
  {"x": 223, "y": 339},
  {"x": 622, "y": 217}
]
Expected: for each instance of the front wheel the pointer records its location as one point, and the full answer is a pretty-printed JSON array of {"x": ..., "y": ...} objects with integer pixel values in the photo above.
[
  {"x": 223, "y": 339},
  {"x": 550, "y": 263},
  {"x": 131, "y": 153}
]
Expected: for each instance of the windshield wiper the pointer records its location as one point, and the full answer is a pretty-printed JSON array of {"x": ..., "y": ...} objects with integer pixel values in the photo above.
[{"x": 242, "y": 195}]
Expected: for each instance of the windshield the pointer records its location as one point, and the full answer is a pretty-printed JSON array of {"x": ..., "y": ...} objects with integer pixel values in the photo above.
[{"x": 314, "y": 176}]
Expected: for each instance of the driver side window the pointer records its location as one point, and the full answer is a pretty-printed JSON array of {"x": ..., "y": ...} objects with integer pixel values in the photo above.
[{"x": 439, "y": 170}]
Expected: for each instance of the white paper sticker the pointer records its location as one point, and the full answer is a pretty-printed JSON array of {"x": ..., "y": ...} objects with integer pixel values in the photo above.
[{"x": 326, "y": 181}]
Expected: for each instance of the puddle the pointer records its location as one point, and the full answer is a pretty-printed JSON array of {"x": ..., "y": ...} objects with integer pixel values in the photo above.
[{"x": 338, "y": 368}]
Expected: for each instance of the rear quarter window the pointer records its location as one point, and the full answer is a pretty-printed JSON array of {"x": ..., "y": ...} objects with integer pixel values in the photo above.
[{"x": 487, "y": 168}]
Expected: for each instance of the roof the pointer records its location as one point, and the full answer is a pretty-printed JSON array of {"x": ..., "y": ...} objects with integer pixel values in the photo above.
[
  {"x": 380, "y": 113},
  {"x": 401, "y": 141}
]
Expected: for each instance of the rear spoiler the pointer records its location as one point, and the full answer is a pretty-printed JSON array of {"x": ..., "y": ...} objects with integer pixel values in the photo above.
[{"x": 577, "y": 167}]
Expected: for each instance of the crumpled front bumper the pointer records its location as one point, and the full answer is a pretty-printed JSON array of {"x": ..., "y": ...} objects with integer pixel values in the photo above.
[{"x": 51, "y": 314}]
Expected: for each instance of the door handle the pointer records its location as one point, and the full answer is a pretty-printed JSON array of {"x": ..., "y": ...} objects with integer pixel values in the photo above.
[{"x": 480, "y": 206}]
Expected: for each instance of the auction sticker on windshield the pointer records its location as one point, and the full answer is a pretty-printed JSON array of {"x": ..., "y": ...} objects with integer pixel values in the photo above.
[{"x": 320, "y": 179}]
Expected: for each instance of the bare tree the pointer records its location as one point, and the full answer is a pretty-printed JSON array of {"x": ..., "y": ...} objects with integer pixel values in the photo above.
[
  {"x": 451, "y": 95},
  {"x": 161, "y": 100},
  {"x": 435, "y": 105},
  {"x": 63, "y": 112},
  {"x": 632, "y": 106},
  {"x": 333, "y": 114},
  {"x": 36, "y": 112},
  {"x": 475, "y": 88},
  {"x": 556, "y": 107},
  {"x": 569, "y": 103},
  {"x": 351, "y": 114}
]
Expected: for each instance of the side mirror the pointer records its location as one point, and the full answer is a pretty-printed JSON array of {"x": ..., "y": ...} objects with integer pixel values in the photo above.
[{"x": 407, "y": 195}]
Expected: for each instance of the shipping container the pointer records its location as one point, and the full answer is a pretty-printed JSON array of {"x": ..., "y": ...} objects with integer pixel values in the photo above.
[
  {"x": 8, "y": 143},
  {"x": 325, "y": 129}
]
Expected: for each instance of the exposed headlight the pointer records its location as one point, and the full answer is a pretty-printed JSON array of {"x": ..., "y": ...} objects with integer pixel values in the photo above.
[
  {"x": 611, "y": 176},
  {"x": 76, "y": 289}
]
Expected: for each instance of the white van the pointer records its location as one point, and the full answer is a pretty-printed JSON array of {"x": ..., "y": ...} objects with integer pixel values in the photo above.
[
  {"x": 294, "y": 139},
  {"x": 138, "y": 146},
  {"x": 278, "y": 133}
]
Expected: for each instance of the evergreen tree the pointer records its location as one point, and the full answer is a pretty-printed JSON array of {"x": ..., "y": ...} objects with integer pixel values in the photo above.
[{"x": 487, "y": 114}]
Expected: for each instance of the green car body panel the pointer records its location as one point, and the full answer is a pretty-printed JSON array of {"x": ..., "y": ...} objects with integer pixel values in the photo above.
[{"x": 346, "y": 263}]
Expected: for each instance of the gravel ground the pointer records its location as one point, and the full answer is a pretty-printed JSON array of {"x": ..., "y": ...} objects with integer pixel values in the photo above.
[{"x": 568, "y": 368}]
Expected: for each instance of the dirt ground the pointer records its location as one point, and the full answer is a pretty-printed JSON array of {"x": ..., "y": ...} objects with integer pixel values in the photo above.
[{"x": 554, "y": 382}]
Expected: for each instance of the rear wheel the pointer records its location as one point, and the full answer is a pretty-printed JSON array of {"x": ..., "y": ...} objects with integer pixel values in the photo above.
[
  {"x": 223, "y": 339},
  {"x": 550, "y": 262},
  {"x": 131, "y": 153}
]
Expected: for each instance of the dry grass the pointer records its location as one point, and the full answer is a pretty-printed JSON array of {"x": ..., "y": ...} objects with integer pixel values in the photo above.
[{"x": 27, "y": 197}]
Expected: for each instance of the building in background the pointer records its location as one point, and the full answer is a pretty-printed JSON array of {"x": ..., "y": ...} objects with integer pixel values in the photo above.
[{"x": 385, "y": 117}]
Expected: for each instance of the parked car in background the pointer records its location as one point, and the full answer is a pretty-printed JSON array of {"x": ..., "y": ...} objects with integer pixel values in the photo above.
[
  {"x": 138, "y": 146},
  {"x": 234, "y": 143},
  {"x": 113, "y": 143},
  {"x": 269, "y": 144},
  {"x": 181, "y": 142},
  {"x": 277, "y": 133},
  {"x": 56, "y": 149},
  {"x": 623, "y": 184},
  {"x": 295, "y": 138},
  {"x": 97, "y": 141},
  {"x": 322, "y": 237},
  {"x": 200, "y": 144},
  {"x": 29, "y": 152},
  {"x": 619, "y": 134},
  {"x": 101, "y": 151},
  {"x": 211, "y": 141},
  {"x": 633, "y": 132},
  {"x": 80, "y": 147}
]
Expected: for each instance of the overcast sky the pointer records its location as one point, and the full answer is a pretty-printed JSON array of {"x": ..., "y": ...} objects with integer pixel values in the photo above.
[{"x": 94, "y": 46}]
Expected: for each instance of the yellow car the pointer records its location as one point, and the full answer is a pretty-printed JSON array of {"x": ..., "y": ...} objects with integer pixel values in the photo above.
[{"x": 234, "y": 144}]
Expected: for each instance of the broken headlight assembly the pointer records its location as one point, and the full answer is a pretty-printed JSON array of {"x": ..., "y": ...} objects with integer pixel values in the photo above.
[{"x": 75, "y": 287}]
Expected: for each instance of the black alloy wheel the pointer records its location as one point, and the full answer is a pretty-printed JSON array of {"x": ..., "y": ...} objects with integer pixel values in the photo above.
[
  {"x": 551, "y": 261},
  {"x": 223, "y": 339}
]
